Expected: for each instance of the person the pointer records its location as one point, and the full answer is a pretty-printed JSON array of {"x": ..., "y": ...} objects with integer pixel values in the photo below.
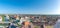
[
  {"x": 8, "y": 25},
  {"x": 42, "y": 26},
  {"x": 57, "y": 25},
  {"x": 22, "y": 20},
  {"x": 11, "y": 25},
  {"x": 23, "y": 23},
  {"x": 6, "y": 18},
  {"x": 26, "y": 24},
  {"x": 0, "y": 19},
  {"x": 29, "y": 26}
]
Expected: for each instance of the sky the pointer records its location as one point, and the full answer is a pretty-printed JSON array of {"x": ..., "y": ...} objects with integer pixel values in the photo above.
[{"x": 29, "y": 7}]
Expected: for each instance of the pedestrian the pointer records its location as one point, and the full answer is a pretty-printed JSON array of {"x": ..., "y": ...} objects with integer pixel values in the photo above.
[
  {"x": 42, "y": 26},
  {"x": 11, "y": 25},
  {"x": 0, "y": 18},
  {"x": 57, "y": 25},
  {"x": 8, "y": 25}
]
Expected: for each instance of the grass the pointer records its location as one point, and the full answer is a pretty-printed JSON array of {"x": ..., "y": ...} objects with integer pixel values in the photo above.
[
  {"x": 45, "y": 27},
  {"x": 49, "y": 26},
  {"x": 2, "y": 18},
  {"x": 36, "y": 26}
]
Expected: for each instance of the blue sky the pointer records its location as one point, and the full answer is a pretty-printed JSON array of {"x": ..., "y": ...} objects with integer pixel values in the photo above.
[{"x": 28, "y": 6}]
